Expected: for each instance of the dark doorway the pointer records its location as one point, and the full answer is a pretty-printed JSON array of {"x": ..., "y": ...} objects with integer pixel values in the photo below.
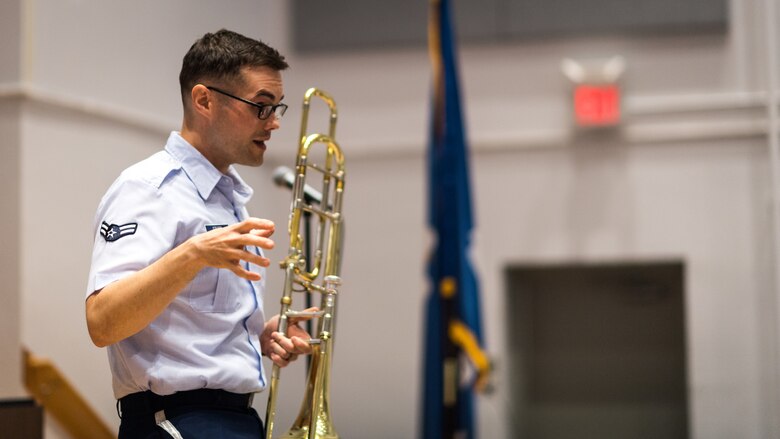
[{"x": 598, "y": 351}]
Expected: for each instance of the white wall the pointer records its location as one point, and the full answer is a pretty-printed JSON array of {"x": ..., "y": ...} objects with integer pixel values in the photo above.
[
  {"x": 692, "y": 202},
  {"x": 102, "y": 92}
]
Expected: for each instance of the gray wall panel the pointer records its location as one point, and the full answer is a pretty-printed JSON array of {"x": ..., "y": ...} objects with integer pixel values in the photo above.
[{"x": 371, "y": 24}]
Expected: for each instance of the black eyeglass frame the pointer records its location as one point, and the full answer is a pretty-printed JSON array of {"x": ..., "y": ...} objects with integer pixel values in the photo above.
[{"x": 277, "y": 109}]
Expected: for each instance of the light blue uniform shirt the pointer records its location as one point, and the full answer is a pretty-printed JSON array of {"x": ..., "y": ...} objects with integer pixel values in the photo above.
[{"x": 208, "y": 336}]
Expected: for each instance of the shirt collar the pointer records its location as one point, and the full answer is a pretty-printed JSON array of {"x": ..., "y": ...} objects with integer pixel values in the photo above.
[
  {"x": 202, "y": 173},
  {"x": 242, "y": 192}
]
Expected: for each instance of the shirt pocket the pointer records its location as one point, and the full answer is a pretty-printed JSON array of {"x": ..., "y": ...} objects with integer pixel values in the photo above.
[{"x": 211, "y": 291}]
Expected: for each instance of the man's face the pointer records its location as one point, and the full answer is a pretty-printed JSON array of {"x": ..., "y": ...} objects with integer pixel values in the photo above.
[{"x": 238, "y": 136}]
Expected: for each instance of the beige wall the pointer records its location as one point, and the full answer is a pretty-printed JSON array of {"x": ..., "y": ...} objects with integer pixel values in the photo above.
[
  {"x": 10, "y": 144},
  {"x": 687, "y": 177},
  {"x": 10, "y": 321}
]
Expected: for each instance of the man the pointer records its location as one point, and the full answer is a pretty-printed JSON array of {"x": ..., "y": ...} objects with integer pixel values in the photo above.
[{"x": 176, "y": 285}]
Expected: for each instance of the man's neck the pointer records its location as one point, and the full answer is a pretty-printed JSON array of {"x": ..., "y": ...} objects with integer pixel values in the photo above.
[
  {"x": 192, "y": 137},
  {"x": 198, "y": 142}
]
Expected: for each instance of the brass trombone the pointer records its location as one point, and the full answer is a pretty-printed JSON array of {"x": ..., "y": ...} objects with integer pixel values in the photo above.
[{"x": 314, "y": 420}]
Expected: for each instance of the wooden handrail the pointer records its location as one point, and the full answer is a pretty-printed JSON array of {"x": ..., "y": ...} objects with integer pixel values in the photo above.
[{"x": 59, "y": 398}]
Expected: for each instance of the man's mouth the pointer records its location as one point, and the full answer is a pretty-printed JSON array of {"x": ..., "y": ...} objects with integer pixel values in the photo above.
[{"x": 260, "y": 144}]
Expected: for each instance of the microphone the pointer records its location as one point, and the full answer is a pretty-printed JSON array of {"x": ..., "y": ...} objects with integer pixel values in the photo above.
[{"x": 285, "y": 177}]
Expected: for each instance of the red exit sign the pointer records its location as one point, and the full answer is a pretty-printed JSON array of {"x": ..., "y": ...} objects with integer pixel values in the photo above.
[{"x": 597, "y": 105}]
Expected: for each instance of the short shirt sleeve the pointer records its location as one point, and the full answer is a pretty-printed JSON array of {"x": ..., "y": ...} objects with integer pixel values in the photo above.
[{"x": 134, "y": 226}]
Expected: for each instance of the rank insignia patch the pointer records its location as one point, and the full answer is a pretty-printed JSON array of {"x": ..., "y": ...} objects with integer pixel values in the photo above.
[{"x": 112, "y": 232}]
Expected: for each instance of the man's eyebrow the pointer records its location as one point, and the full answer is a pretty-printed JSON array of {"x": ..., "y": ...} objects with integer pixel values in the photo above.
[{"x": 267, "y": 94}]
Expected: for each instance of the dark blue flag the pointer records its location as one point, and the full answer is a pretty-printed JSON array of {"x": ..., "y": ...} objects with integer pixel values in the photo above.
[{"x": 453, "y": 327}]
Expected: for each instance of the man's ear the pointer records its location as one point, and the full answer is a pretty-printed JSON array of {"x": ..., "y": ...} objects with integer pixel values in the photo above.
[{"x": 201, "y": 99}]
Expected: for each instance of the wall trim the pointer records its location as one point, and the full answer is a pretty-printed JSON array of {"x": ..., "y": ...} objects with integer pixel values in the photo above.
[
  {"x": 648, "y": 119},
  {"x": 86, "y": 107}
]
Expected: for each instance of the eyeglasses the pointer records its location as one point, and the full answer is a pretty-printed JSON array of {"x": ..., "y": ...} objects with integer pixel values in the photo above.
[{"x": 263, "y": 110}]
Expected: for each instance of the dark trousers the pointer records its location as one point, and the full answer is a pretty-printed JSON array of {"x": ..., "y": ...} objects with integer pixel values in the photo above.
[{"x": 196, "y": 414}]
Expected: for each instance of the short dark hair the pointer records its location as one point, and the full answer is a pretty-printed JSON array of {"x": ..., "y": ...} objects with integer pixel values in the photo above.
[{"x": 220, "y": 56}]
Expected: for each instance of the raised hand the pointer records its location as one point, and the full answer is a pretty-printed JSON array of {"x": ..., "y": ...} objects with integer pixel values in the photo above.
[{"x": 226, "y": 247}]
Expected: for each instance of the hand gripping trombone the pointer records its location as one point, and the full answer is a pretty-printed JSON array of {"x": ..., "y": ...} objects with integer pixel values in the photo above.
[{"x": 314, "y": 420}]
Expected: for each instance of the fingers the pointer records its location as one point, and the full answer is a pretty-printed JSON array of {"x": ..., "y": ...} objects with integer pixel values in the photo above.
[
  {"x": 294, "y": 344},
  {"x": 234, "y": 255},
  {"x": 251, "y": 238},
  {"x": 284, "y": 350},
  {"x": 244, "y": 273},
  {"x": 265, "y": 233},
  {"x": 251, "y": 231},
  {"x": 301, "y": 345},
  {"x": 238, "y": 268},
  {"x": 262, "y": 227},
  {"x": 227, "y": 247},
  {"x": 281, "y": 361},
  {"x": 278, "y": 348},
  {"x": 245, "y": 255},
  {"x": 257, "y": 241}
]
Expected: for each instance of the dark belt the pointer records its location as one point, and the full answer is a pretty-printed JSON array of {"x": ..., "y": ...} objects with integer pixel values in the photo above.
[{"x": 145, "y": 403}]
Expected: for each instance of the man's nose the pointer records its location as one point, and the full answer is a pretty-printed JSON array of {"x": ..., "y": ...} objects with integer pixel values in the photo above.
[{"x": 272, "y": 123}]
